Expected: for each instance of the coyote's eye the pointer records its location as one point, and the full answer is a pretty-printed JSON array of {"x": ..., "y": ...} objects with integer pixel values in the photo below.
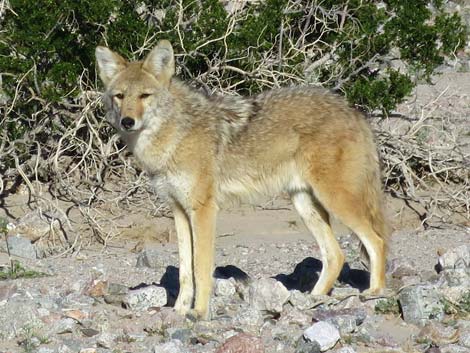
[
  {"x": 144, "y": 95},
  {"x": 119, "y": 96}
]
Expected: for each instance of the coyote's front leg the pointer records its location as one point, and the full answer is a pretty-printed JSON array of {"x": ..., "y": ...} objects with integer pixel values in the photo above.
[
  {"x": 203, "y": 220},
  {"x": 183, "y": 231}
]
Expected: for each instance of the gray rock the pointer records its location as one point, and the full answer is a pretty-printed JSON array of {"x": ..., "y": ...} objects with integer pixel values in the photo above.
[
  {"x": 455, "y": 284},
  {"x": 106, "y": 340},
  {"x": 46, "y": 350},
  {"x": 455, "y": 258},
  {"x": 304, "y": 346},
  {"x": 454, "y": 348},
  {"x": 150, "y": 258},
  {"x": 324, "y": 333},
  {"x": 115, "y": 293},
  {"x": 144, "y": 298},
  {"x": 180, "y": 334},
  {"x": 174, "y": 346},
  {"x": 224, "y": 287},
  {"x": 62, "y": 326},
  {"x": 345, "y": 320},
  {"x": 267, "y": 294},
  {"x": 249, "y": 317},
  {"x": 302, "y": 301},
  {"x": 16, "y": 313},
  {"x": 344, "y": 350},
  {"x": 21, "y": 247},
  {"x": 465, "y": 339},
  {"x": 420, "y": 303}
]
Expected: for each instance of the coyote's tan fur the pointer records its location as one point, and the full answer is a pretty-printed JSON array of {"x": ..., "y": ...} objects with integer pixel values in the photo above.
[{"x": 201, "y": 150}]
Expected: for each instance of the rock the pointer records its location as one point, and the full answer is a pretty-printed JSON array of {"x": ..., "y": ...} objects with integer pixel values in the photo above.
[
  {"x": 420, "y": 303},
  {"x": 115, "y": 293},
  {"x": 242, "y": 343},
  {"x": 344, "y": 350},
  {"x": 305, "y": 346},
  {"x": 106, "y": 340},
  {"x": 97, "y": 288},
  {"x": 16, "y": 313},
  {"x": 324, "y": 333},
  {"x": 267, "y": 294},
  {"x": 150, "y": 258},
  {"x": 224, "y": 287},
  {"x": 302, "y": 301},
  {"x": 144, "y": 298},
  {"x": 438, "y": 333},
  {"x": 464, "y": 337},
  {"x": 180, "y": 334},
  {"x": 174, "y": 346},
  {"x": 7, "y": 290},
  {"x": 62, "y": 326},
  {"x": 400, "y": 268},
  {"x": 454, "y": 348},
  {"x": 89, "y": 332},
  {"x": 77, "y": 315},
  {"x": 21, "y": 247},
  {"x": 346, "y": 320},
  {"x": 249, "y": 317},
  {"x": 455, "y": 258},
  {"x": 35, "y": 225}
]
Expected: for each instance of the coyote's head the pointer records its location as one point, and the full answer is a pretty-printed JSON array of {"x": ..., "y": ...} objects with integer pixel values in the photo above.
[{"x": 137, "y": 95}]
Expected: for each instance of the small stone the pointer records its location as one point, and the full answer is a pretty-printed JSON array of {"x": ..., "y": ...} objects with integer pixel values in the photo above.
[
  {"x": 180, "y": 334},
  {"x": 62, "y": 326},
  {"x": 242, "y": 343},
  {"x": 454, "y": 348},
  {"x": 420, "y": 303},
  {"x": 465, "y": 338},
  {"x": 89, "y": 332},
  {"x": 116, "y": 293},
  {"x": 305, "y": 346},
  {"x": 88, "y": 350},
  {"x": 224, "y": 287},
  {"x": 344, "y": 350},
  {"x": 150, "y": 258},
  {"x": 106, "y": 340},
  {"x": 249, "y": 317},
  {"x": 302, "y": 301},
  {"x": 77, "y": 315},
  {"x": 174, "y": 346},
  {"x": 400, "y": 268},
  {"x": 145, "y": 298},
  {"x": 21, "y": 247},
  {"x": 97, "y": 288},
  {"x": 324, "y": 333},
  {"x": 45, "y": 350},
  {"x": 7, "y": 290},
  {"x": 267, "y": 294},
  {"x": 438, "y": 333},
  {"x": 455, "y": 258}
]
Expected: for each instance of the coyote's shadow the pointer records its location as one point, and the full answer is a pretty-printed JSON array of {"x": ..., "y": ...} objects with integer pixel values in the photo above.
[
  {"x": 306, "y": 274},
  {"x": 170, "y": 279},
  {"x": 303, "y": 278}
]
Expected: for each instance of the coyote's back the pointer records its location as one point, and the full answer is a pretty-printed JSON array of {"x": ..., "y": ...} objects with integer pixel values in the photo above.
[{"x": 200, "y": 151}]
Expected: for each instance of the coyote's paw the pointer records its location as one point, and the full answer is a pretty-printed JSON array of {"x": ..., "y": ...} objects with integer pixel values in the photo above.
[{"x": 183, "y": 305}]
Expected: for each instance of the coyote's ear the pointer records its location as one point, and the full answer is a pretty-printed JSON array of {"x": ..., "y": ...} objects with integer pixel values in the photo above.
[
  {"x": 109, "y": 63},
  {"x": 161, "y": 62}
]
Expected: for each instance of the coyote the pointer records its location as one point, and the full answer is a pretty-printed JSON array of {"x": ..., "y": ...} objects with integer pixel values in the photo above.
[{"x": 201, "y": 150}]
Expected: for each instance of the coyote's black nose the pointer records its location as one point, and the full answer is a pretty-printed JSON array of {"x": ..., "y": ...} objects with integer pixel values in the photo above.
[{"x": 127, "y": 123}]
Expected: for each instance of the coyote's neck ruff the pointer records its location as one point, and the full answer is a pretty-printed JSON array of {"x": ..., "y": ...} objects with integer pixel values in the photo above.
[{"x": 201, "y": 150}]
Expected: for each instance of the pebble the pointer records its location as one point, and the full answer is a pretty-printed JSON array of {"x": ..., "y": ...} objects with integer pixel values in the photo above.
[
  {"x": 145, "y": 298},
  {"x": 324, "y": 333},
  {"x": 269, "y": 295}
]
